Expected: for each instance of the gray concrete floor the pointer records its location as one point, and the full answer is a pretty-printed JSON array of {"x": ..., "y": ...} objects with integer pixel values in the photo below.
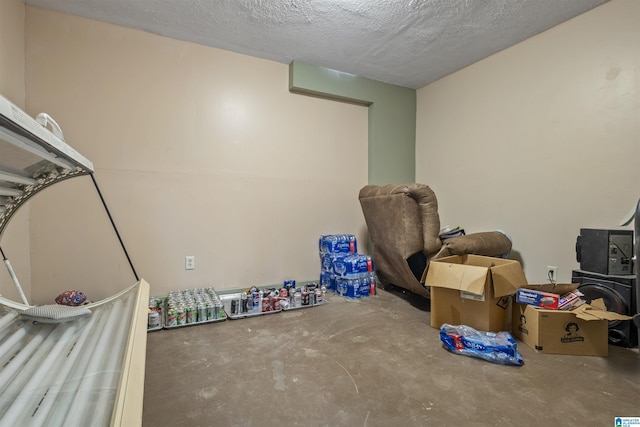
[{"x": 370, "y": 362}]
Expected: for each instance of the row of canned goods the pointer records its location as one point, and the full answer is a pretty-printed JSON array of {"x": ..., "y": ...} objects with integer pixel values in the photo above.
[
  {"x": 258, "y": 301},
  {"x": 192, "y": 306}
]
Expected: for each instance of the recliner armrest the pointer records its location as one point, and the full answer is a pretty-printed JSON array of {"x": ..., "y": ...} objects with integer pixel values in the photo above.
[{"x": 488, "y": 243}]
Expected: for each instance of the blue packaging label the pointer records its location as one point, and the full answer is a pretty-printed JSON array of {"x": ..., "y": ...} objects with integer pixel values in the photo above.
[
  {"x": 537, "y": 298},
  {"x": 348, "y": 285},
  {"x": 365, "y": 284},
  {"x": 495, "y": 347},
  {"x": 343, "y": 270},
  {"x": 327, "y": 260},
  {"x": 338, "y": 243},
  {"x": 352, "y": 263}
]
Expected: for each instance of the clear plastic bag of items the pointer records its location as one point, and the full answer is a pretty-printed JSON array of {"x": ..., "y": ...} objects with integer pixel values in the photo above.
[{"x": 494, "y": 347}]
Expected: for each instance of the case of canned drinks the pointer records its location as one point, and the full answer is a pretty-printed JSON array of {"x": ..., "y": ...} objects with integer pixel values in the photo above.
[
  {"x": 155, "y": 314},
  {"x": 193, "y": 307}
]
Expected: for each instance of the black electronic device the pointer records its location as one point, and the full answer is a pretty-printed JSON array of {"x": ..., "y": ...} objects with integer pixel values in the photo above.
[
  {"x": 619, "y": 295},
  {"x": 605, "y": 251},
  {"x": 636, "y": 246}
]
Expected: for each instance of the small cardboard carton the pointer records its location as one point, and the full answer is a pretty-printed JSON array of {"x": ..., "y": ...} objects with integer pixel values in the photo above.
[
  {"x": 571, "y": 300},
  {"x": 537, "y": 298},
  {"x": 473, "y": 290},
  {"x": 552, "y": 296},
  {"x": 582, "y": 331}
]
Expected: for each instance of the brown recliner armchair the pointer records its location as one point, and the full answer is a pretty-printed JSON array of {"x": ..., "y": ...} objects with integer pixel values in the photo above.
[{"x": 404, "y": 227}]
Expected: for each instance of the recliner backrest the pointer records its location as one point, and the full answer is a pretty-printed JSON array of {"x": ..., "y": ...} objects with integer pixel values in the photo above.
[{"x": 402, "y": 220}]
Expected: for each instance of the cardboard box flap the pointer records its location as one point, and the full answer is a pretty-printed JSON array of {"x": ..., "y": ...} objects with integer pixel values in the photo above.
[
  {"x": 507, "y": 279},
  {"x": 553, "y": 288},
  {"x": 598, "y": 311},
  {"x": 455, "y": 276}
]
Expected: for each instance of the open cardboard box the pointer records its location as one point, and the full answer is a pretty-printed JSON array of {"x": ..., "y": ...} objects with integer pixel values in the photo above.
[
  {"x": 582, "y": 331},
  {"x": 473, "y": 290}
]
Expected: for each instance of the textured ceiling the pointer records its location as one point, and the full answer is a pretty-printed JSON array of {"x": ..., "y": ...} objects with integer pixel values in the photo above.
[{"x": 405, "y": 42}]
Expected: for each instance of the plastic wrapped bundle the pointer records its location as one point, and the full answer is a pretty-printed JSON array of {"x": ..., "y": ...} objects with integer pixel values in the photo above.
[
  {"x": 338, "y": 243},
  {"x": 495, "y": 347}
]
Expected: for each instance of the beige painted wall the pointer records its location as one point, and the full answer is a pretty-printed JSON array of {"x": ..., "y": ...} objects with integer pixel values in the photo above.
[
  {"x": 203, "y": 152},
  {"x": 15, "y": 239},
  {"x": 541, "y": 139},
  {"x": 198, "y": 151}
]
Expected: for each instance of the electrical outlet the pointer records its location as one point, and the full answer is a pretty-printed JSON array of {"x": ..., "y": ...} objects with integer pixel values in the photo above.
[
  {"x": 552, "y": 273},
  {"x": 189, "y": 262}
]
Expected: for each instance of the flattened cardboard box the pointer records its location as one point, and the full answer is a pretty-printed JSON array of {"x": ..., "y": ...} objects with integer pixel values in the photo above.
[
  {"x": 473, "y": 290},
  {"x": 583, "y": 331}
]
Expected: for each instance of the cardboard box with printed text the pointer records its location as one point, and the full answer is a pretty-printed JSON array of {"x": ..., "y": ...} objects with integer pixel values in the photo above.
[{"x": 582, "y": 331}]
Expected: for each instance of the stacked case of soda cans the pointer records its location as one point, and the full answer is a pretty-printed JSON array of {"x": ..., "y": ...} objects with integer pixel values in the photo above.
[
  {"x": 343, "y": 270},
  {"x": 193, "y": 306}
]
